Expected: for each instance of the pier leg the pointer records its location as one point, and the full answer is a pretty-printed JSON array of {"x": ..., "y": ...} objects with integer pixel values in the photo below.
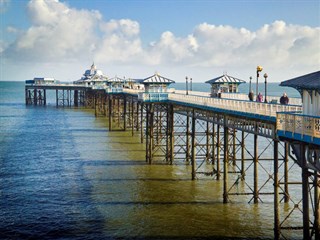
[
  {"x": 57, "y": 98},
  {"x": 137, "y": 115},
  {"x": 218, "y": 151},
  {"x": 141, "y": 122},
  {"x": 118, "y": 110},
  {"x": 76, "y": 98},
  {"x": 225, "y": 164},
  {"x": 35, "y": 97},
  {"x": 125, "y": 113},
  {"x": 255, "y": 170},
  {"x": 170, "y": 135},
  {"x": 286, "y": 170},
  {"x": 151, "y": 126},
  {"x": 193, "y": 146},
  {"x": 110, "y": 113},
  {"x": 276, "y": 191},
  {"x": 207, "y": 142},
  {"x": 96, "y": 105},
  {"x": 234, "y": 147},
  {"x": 147, "y": 133},
  {"x": 316, "y": 184},
  {"x": 242, "y": 157},
  {"x": 305, "y": 193},
  {"x": 44, "y": 97},
  {"x": 132, "y": 116},
  {"x": 213, "y": 149},
  {"x": 187, "y": 138}
]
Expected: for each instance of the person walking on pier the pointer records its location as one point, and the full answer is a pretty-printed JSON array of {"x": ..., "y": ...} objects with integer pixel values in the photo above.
[
  {"x": 259, "y": 97},
  {"x": 284, "y": 99},
  {"x": 250, "y": 95}
]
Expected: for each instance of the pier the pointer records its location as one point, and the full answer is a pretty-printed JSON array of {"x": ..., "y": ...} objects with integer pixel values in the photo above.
[{"x": 219, "y": 137}]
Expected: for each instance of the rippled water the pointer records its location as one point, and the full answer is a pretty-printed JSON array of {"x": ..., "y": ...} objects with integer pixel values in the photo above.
[{"x": 64, "y": 175}]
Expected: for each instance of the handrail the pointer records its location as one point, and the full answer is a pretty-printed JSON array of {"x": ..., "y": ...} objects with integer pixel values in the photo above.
[
  {"x": 235, "y": 105},
  {"x": 297, "y": 123}
]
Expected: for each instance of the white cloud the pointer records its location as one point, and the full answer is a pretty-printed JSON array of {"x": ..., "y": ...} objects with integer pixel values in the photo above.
[
  {"x": 120, "y": 42},
  {"x": 60, "y": 34},
  {"x": 57, "y": 32}
]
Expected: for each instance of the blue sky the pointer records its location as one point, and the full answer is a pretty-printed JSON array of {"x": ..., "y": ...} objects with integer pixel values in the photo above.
[{"x": 135, "y": 38}]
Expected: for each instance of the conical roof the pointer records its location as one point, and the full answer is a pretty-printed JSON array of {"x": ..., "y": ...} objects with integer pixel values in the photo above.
[
  {"x": 156, "y": 78},
  {"x": 225, "y": 79}
]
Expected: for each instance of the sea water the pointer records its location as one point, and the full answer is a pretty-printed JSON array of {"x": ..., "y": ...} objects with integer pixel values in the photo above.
[{"x": 64, "y": 175}]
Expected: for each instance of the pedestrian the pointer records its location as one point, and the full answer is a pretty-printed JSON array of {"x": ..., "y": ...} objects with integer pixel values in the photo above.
[
  {"x": 284, "y": 99},
  {"x": 219, "y": 93},
  {"x": 250, "y": 95},
  {"x": 259, "y": 97}
]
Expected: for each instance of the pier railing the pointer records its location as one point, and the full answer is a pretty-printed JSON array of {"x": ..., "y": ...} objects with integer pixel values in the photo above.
[
  {"x": 298, "y": 126},
  {"x": 234, "y": 105},
  {"x": 153, "y": 96},
  {"x": 114, "y": 90}
]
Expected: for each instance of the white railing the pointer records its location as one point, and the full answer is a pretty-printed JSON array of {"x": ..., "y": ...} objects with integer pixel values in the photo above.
[
  {"x": 114, "y": 90},
  {"x": 153, "y": 97},
  {"x": 242, "y": 96},
  {"x": 299, "y": 124},
  {"x": 234, "y": 105},
  {"x": 132, "y": 91},
  {"x": 196, "y": 93},
  {"x": 99, "y": 87}
]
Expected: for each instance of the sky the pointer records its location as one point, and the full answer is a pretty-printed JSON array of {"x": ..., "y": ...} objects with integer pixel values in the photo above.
[{"x": 201, "y": 39}]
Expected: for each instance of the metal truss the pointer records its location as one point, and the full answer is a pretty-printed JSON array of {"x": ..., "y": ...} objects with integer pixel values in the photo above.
[{"x": 35, "y": 96}]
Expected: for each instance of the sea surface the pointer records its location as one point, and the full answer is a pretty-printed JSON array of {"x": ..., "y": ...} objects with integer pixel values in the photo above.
[{"x": 63, "y": 175}]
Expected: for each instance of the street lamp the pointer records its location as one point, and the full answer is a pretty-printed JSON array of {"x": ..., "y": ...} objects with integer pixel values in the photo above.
[
  {"x": 259, "y": 69},
  {"x": 190, "y": 84},
  {"x": 265, "y": 87},
  {"x": 187, "y": 86}
]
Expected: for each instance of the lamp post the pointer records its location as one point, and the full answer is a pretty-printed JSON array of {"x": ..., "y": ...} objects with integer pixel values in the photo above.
[
  {"x": 259, "y": 69},
  {"x": 250, "y": 84},
  {"x": 190, "y": 84},
  {"x": 265, "y": 87},
  {"x": 187, "y": 86}
]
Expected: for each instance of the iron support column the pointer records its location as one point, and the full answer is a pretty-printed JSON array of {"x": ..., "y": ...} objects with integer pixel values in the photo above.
[
  {"x": 193, "y": 146},
  {"x": 242, "y": 156},
  {"x": 276, "y": 191},
  {"x": 44, "y": 97},
  {"x": 187, "y": 139},
  {"x": 110, "y": 112},
  {"x": 255, "y": 170},
  {"x": 305, "y": 193},
  {"x": 286, "y": 171},
  {"x": 225, "y": 162},
  {"x": 125, "y": 113},
  {"x": 317, "y": 207},
  {"x": 218, "y": 152}
]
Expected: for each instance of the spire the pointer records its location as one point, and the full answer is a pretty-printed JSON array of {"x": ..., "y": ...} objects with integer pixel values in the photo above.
[{"x": 93, "y": 67}]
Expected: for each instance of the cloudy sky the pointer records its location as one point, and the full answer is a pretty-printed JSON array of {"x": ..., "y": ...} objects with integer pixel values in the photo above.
[{"x": 201, "y": 39}]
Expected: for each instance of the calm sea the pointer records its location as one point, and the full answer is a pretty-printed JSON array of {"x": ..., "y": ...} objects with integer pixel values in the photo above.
[{"x": 63, "y": 175}]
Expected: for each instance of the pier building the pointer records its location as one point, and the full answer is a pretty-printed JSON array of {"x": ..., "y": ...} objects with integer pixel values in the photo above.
[
  {"x": 219, "y": 138},
  {"x": 224, "y": 84}
]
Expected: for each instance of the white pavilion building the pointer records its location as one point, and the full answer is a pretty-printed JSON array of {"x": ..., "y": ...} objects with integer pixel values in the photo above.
[{"x": 93, "y": 76}]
